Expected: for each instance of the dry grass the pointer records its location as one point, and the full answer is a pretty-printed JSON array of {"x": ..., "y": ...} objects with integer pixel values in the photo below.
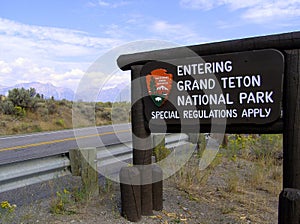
[
  {"x": 241, "y": 184},
  {"x": 232, "y": 182}
]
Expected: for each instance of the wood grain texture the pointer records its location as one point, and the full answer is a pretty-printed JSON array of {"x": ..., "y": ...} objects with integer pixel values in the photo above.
[
  {"x": 289, "y": 199},
  {"x": 141, "y": 141}
]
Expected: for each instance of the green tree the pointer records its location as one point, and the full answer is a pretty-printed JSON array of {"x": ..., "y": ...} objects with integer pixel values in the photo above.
[
  {"x": 7, "y": 107},
  {"x": 23, "y": 98},
  {"x": 32, "y": 92}
]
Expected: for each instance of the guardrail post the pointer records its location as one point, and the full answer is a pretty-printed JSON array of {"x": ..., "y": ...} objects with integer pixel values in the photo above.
[
  {"x": 84, "y": 164},
  {"x": 194, "y": 138},
  {"x": 75, "y": 156},
  {"x": 199, "y": 140}
]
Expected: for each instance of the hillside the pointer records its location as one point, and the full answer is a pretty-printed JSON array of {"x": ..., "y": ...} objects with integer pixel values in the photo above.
[{"x": 50, "y": 115}]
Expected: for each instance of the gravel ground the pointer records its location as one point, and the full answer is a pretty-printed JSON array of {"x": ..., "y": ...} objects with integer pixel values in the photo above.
[
  {"x": 178, "y": 208},
  {"x": 210, "y": 203}
]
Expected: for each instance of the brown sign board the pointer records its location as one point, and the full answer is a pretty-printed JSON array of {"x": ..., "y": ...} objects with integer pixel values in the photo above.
[{"x": 243, "y": 88}]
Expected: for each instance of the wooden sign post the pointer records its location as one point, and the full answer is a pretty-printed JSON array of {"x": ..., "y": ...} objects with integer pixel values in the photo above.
[
  {"x": 142, "y": 151},
  {"x": 289, "y": 200},
  {"x": 258, "y": 82}
]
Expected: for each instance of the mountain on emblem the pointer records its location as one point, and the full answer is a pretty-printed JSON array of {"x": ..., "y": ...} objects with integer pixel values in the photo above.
[{"x": 159, "y": 84}]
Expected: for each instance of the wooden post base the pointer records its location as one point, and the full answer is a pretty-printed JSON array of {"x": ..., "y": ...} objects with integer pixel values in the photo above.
[
  {"x": 130, "y": 193},
  {"x": 289, "y": 206}
]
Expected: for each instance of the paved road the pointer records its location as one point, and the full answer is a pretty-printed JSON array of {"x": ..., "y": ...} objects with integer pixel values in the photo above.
[{"x": 29, "y": 146}]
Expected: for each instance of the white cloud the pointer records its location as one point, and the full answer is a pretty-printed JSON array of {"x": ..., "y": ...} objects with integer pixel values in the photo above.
[
  {"x": 174, "y": 32},
  {"x": 253, "y": 10},
  {"x": 45, "y": 37},
  {"x": 135, "y": 19},
  {"x": 115, "y": 30},
  {"x": 279, "y": 10},
  {"x": 25, "y": 70},
  {"x": 103, "y": 3},
  {"x": 47, "y": 54},
  {"x": 21, "y": 62},
  {"x": 163, "y": 26},
  {"x": 238, "y": 4},
  {"x": 5, "y": 68},
  {"x": 107, "y": 4},
  {"x": 199, "y": 4},
  {"x": 48, "y": 45},
  {"x": 70, "y": 78}
]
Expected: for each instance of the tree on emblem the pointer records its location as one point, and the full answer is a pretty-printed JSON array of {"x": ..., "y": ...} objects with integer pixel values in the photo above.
[{"x": 153, "y": 86}]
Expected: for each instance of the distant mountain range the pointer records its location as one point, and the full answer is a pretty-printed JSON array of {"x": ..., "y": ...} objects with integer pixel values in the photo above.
[
  {"x": 49, "y": 90},
  {"x": 120, "y": 92}
]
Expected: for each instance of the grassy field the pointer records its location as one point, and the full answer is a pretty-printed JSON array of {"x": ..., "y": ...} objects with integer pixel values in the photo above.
[{"x": 243, "y": 182}]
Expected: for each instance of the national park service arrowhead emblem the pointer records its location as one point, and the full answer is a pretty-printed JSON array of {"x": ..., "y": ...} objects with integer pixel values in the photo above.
[{"x": 159, "y": 85}]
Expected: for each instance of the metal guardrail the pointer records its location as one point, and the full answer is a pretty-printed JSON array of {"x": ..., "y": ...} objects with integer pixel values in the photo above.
[
  {"x": 123, "y": 151},
  {"x": 21, "y": 174},
  {"x": 24, "y": 173}
]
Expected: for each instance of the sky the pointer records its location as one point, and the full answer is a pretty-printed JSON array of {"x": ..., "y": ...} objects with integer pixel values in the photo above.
[{"x": 57, "y": 41}]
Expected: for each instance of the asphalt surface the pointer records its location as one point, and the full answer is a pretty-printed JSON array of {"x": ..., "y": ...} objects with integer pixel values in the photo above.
[{"x": 24, "y": 147}]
